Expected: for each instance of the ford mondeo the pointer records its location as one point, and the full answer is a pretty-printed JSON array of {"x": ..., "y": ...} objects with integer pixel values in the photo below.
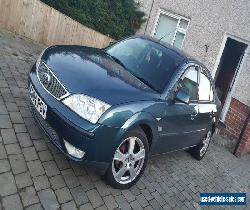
[{"x": 113, "y": 108}]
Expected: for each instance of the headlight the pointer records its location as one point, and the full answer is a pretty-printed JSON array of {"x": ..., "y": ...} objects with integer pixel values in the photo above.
[
  {"x": 38, "y": 61},
  {"x": 87, "y": 107}
]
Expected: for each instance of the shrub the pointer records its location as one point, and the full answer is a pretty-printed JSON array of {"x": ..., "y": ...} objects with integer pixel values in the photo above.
[{"x": 116, "y": 18}]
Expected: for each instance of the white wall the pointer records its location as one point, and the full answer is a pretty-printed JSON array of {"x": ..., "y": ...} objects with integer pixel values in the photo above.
[{"x": 210, "y": 20}]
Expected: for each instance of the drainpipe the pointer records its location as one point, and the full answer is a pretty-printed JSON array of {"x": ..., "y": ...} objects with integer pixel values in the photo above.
[
  {"x": 149, "y": 16},
  {"x": 242, "y": 133}
]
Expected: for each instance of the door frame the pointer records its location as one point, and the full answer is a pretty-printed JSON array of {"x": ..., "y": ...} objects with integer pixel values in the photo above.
[{"x": 218, "y": 59}]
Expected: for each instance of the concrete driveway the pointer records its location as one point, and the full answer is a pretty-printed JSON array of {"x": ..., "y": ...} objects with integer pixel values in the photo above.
[{"x": 34, "y": 175}]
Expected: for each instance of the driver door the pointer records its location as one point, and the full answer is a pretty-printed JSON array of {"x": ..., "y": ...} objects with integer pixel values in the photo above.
[{"x": 179, "y": 122}]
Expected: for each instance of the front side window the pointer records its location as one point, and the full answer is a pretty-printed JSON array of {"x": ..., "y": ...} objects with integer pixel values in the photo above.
[
  {"x": 189, "y": 83},
  {"x": 171, "y": 28},
  {"x": 150, "y": 62}
]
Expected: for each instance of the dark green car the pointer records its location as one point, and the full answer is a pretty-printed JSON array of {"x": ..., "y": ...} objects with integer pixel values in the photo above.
[{"x": 113, "y": 108}]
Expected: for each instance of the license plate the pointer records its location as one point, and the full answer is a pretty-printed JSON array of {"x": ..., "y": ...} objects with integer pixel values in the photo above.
[{"x": 41, "y": 107}]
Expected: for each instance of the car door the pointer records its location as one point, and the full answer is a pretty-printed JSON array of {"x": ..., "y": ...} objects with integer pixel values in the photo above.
[
  {"x": 178, "y": 124},
  {"x": 207, "y": 105}
]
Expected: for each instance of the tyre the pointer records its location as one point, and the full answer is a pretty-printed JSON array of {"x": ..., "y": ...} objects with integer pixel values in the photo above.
[
  {"x": 199, "y": 151},
  {"x": 129, "y": 160}
]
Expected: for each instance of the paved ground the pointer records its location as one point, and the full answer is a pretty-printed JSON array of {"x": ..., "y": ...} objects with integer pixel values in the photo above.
[{"x": 34, "y": 175}]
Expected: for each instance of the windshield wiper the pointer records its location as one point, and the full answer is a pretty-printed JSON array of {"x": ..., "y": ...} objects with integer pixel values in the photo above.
[
  {"x": 144, "y": 81},
  {"x": 135, "y": 75},
  {"x": 117, "y": 60}
]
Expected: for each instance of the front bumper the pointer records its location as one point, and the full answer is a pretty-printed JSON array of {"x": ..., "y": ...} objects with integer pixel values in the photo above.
[{"x": 96, "y": 140}]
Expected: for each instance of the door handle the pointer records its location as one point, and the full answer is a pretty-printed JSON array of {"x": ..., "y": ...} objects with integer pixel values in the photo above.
[
  {"x": 194, "y": 114},
  {"x": 212, "y": 114}
]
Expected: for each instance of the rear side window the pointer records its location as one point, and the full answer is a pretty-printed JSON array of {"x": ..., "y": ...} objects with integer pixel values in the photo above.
[{"x": 205, "y": 88}]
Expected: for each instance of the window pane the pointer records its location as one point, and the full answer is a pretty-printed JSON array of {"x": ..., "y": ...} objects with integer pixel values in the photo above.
[
  {"x": 166, "y": 28},
  {"x": 204, "y": 88},
  {"x": 179, "y": 39},
  {"x": 190, "y": 84},
  {"x": 183, "y": 24}
]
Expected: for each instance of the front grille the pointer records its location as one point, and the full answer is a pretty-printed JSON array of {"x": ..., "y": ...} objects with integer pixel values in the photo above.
[
  {"x": 50, "y": 82},
  {"x": 50, "y": 132}
]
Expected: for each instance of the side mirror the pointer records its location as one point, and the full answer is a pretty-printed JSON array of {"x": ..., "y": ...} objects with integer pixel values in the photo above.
[{"x": 182, "y": 96}]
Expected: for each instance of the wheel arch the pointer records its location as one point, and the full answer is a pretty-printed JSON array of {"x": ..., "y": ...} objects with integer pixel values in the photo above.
[
  {"x": 144, "y": 121},
  {"x": 213, "y": 128},
  {"x": 148, "y": 132}
]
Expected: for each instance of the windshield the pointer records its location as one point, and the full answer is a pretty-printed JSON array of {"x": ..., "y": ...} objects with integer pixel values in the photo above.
[{"x": 150, "y": 62}]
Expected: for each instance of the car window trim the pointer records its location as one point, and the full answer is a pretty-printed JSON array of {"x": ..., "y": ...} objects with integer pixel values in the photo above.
[
  {"x": 184, "y": 73},
  {"x": 200, "y": 68}
]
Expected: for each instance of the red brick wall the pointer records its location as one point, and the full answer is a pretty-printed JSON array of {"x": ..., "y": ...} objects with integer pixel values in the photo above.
[
  {"x": 244, "y": 146},
  {"x": 234, "y": 122}
]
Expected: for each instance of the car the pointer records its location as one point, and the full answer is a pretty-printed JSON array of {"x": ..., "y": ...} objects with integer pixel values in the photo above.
[{"x": 114, "y": 108}]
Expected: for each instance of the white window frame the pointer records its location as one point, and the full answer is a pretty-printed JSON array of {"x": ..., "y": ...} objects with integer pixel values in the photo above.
[{"x": 178, "y": 29}]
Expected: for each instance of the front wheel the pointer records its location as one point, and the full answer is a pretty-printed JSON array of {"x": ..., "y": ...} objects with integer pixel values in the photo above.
[
  {"x": 129, "y": 160},
  {"x": 199, "y": 151}
]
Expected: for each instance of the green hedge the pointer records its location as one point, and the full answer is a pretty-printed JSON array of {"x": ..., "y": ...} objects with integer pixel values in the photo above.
[{"x": 116, "y": 18}]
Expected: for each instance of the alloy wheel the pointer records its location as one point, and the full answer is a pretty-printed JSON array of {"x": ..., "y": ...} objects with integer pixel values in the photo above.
[
  {"x": 128, "y": 160},
  {"x": 205, "y": 143}
]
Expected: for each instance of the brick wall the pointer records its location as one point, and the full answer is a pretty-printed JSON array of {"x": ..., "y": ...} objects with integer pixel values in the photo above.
[
  {"x": 234, "y": 122},
  {"x": 244, "y": 146}
]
